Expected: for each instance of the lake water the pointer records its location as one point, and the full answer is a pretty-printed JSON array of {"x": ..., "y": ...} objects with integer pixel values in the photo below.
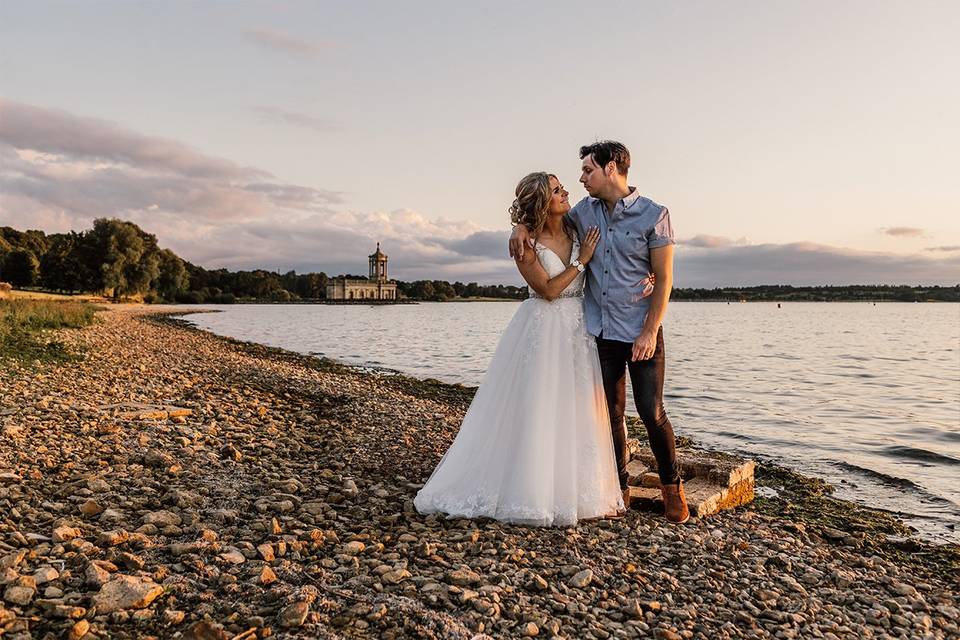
[{"x": 865, "y": 396}]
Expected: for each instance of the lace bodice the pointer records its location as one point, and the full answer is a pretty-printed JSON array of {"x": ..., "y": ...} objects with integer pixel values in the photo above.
[{"x": 554, "y": 266}]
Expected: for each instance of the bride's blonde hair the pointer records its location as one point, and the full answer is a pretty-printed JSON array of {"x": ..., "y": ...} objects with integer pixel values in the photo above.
[{"x": 532, "y": 202}]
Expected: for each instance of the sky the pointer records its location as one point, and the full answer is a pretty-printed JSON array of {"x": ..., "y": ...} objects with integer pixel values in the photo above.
[{"x": 802, "y": 143}]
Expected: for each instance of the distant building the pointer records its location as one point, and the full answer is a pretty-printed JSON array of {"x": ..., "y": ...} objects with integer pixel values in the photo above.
[{"x": 375, "y": 287}]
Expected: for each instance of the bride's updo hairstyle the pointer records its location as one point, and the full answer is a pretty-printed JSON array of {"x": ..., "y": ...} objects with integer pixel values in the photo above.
[{"x": 532, "y": 202}]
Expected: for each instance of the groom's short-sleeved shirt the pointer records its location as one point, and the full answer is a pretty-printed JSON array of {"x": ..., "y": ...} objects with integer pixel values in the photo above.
[{"x": 617, "y": 299}]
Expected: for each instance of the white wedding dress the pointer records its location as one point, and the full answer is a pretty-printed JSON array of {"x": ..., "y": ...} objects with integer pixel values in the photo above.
[{"x": 535, "y": 446}]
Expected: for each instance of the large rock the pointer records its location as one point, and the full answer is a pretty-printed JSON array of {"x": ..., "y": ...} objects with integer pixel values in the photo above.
[
  {"x": 713, "y": 481},
  {"x": 64, "y": 534},
  {"x": 294, "y": 615},
  {"x": 20, "y": 592},
  {"x": 463, "y": 577},
  {"x": 581, "y": 579},
  {"x": 126, "y": 592},
  {"x": 162, "y": 519}
]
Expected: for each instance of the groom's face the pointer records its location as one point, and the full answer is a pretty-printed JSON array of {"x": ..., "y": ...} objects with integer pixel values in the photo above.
[{"x": 593, "y": 177}]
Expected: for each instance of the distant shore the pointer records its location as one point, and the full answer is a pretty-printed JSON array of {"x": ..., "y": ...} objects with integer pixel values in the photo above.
[
  {"x": 283, "y": 501},
  {"x": 766, "y": 293}
]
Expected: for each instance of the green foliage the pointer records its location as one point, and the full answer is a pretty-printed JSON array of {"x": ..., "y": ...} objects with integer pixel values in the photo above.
[
  {"x": 33, "y": 240},
  {"x": 129, "y": 257},
  {"x": 172, "y": 276},
  {"x": 440, "y": 290},
  {"x": 20, "y": 268},
  {"x": 24, "y": 323},
  {"x": 66, "y": 265}
]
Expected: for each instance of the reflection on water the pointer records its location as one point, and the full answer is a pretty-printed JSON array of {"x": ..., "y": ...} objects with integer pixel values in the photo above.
[{"x": 866, "y": 396}]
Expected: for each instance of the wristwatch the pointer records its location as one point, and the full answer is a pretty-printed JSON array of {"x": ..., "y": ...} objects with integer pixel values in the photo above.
[{"x": 579, "y": 265}]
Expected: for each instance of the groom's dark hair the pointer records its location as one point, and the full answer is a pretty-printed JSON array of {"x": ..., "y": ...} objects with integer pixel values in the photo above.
[{"x": 606, "y": 151}]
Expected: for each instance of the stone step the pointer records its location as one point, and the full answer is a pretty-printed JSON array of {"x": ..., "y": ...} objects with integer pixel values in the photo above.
[
  {"x": 719, "y": 468},
  {"x": 705, "y": 498},
  {"x": 712, "y": 481},
  {"x": 641, "y": 476},
  {"x": 646, "y": 498}
]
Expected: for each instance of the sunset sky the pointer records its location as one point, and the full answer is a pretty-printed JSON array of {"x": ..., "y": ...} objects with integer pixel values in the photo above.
[{"x": 794, "y": 142}]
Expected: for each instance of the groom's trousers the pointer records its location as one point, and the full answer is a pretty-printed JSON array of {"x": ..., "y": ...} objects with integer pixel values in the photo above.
[{"x": 646, "y": 377}]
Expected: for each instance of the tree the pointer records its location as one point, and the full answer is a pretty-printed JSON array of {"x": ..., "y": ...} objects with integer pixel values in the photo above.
[
  {"x": 33, "y": 240},
  {"x": 423, "y": 290},
  {"x": 172, "y": 277},
  {"x": 20, "y": 268},
  {"x": 312, "y": 285},
  {"x": 5, "y": 248},
  {"x": 64, "y": 266},
  {"x": 442, "y": 290},
  {"x": 128, "y": 257}
]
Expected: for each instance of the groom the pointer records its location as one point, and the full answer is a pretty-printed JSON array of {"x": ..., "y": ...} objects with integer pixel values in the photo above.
[{"x": 628, "y": 287}]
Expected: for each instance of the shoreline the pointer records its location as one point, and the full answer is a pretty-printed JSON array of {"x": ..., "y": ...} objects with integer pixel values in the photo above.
[
  {"x": 283, "y": 502},
  {"x": 937, "y": 533},
  {"x": 100, "y": 300},
  {"x": 819, "y": 508}
]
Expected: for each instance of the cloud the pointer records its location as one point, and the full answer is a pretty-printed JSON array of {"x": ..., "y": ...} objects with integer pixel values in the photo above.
[
  {"x": 291, "y": 118},
  {"x": 59, "y": 171},
  {"x": 711, "y": 242},
  {"x": 51, "y": 133},
  {"x": 337, "y": 243},
  {"x": 284, "y": 42},
  {"x": 482, "y": 244},
  {"x": 948, "y": 248},
  {"x": 903, "y": 232},
  {"x": 808, "y": 264},
  {"x": 92, "y": 167}
]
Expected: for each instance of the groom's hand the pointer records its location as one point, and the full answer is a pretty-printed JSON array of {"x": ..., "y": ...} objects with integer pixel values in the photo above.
[
  {"x": 644, "y": 346},
  {"x": 519, "y": 239}
]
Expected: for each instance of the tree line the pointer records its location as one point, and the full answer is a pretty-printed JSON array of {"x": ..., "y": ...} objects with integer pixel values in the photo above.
[
  {"x": 118, "y": 259},
  {"x": 842, "y": 293}
]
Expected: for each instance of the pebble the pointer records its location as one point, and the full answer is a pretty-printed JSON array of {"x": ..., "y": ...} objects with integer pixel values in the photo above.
[
  {"x": 463, "y": 577},
  {"x": 581, "y": 579},
  {"x": 283, "y": 503},
  {"x": 294, "y": 615},
  {"x": 354, "y": 548},
  {"x": 125, "y": 592}
]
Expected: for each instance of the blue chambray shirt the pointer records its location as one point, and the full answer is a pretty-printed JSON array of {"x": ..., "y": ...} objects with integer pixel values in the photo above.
[{"x": 617, "y": 299}]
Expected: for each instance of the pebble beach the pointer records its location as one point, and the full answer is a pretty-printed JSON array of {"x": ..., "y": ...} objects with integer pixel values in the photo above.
[{"x": 279, "y": 503}]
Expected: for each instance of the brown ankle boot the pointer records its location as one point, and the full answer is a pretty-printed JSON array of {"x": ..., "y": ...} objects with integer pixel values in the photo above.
[{"x": 675, "y": 503}]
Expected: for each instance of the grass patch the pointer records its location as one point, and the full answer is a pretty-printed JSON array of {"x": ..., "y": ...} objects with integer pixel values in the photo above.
[{"x": 25, "y": 325}]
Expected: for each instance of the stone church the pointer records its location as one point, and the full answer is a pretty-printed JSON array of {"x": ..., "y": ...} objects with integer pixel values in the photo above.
[{"x": 375, "y": 287}]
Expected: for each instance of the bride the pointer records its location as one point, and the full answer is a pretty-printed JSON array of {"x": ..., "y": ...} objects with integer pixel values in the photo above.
[{"x": 535, "y": 446}]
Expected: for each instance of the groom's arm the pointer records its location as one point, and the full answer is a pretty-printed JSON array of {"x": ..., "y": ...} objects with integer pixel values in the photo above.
[
  {"x": 519, "y": 239},
  {"x": 661, "y": 261}
]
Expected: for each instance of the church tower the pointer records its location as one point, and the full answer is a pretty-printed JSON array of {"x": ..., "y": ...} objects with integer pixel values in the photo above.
[
  {"x": 363, "y": 290},
  {"x": 378, "y": 266}
]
